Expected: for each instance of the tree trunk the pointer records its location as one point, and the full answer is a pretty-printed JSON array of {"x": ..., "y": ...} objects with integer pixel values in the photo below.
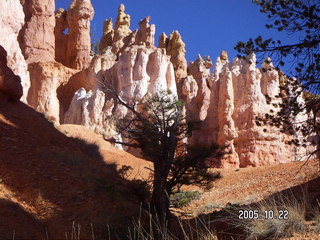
[{"x": 160, "y": 199}]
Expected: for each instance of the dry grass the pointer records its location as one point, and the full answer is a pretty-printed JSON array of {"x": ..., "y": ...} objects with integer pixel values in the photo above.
[
  {"x": 264, "y": 227},
  {"x": 154, "y": 230}
]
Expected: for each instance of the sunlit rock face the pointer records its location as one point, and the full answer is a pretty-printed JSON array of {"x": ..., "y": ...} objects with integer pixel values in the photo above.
[
  {"x": 72, "y": 34},
  {"x": 176, "y": 50},
  {"x": 47, "y": 83},
  {"x": 91, "y": 110},
  {"x": 79, "y": 15},
  {"x": 200, "y": 70},
  {"x": 241, "y": 92},
  {"x": 137, "y": 72},
  {"x": 123, "y": 36},
  {"x": 145, "y": 35},
  {"x": 107, "y": 36},
  {"x": 69, "y": 85},
  {"x": 11, "y": 22},
  {"x": 37, "y": 36}
]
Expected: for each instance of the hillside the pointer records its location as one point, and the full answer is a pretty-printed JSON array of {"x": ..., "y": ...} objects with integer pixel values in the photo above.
[
  {"x": 247, "y": 185},
  {"x": 50, "y": 181}
]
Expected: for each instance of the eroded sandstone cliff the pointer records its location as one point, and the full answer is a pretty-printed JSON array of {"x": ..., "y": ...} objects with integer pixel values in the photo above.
[{"x": 69, "y": 85}]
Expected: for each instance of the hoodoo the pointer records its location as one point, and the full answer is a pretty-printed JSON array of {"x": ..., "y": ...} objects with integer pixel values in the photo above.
[{"x": 68, "y": 82}]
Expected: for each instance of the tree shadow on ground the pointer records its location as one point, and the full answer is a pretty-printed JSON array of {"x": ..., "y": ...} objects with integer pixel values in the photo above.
[{"x": 16, "y": 223}]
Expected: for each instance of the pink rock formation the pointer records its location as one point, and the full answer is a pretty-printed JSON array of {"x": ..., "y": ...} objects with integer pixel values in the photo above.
[
  {"x": 79, "y": 15},
  {"x": 122, "y": 32},
  {"x": 237, "y": 97},
  {"x": 142, "y": 70},
  {"x": 10, "y": 84},
  {"x": 107, "y": 36},
  {"x": 176, "y": 49},
  {"x": 226, "y": 102},
  {"x": 145, "y": 34},
  {"x": 138, "y": 71},
  {"x": 122, "y": 37},
  {"x": 270, "y": 80},
  {"x": 163, "y": 41},
  {"x": 189, "y": 92},
  {"x": 227, "y": 132},
  {"x": 11, "y": 21},
  {"x": 200, "y": 70},
  {"x": 37, "y": 36},
  {"x": 48, "y": 81}
]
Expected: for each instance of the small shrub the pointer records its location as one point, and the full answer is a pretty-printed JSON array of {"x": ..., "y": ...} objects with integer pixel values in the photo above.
[{"x": 181, "y": 199}]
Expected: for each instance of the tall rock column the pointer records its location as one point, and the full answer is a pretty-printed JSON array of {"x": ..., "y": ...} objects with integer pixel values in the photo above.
[
  {"x": 227, "y": 131},
  {"x": 107, "y": 36},
  {"x": 37, "y": 36},
  {"x": 61, "y": 37},
  {"x": 11, "y": 21},
  {"x": 122, "y": 30},
  {"x": 79, "y": 15},
  {"x": 176, "y": 49},
  {"x": 145, "y": 34},
  {"x": 200, "y": 70},
  {"x": 163, "y": 41}
]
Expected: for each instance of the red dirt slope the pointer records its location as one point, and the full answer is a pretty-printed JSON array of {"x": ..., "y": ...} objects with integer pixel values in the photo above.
[{"x": 49, "y": 181}]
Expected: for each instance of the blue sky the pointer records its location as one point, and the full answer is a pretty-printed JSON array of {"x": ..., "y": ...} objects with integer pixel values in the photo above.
[{"x": 206, "y": 26}]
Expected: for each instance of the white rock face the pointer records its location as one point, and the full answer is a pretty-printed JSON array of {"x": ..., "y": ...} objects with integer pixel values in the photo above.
[
  {"x": 139, "y": 71},
  {"x": 142, "y": 70},
  {"x": 11, "y": 21},
  {"x": 90, "y": 110}
]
